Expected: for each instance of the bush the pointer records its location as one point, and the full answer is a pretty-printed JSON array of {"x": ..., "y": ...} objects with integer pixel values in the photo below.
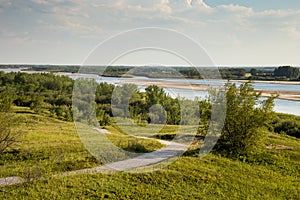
[
  {"x": 8, "y": 137},
  {"x": 245, "y": 116},
  {"x": 6, "y": 100},
  {"x": 289, "y": 127}
]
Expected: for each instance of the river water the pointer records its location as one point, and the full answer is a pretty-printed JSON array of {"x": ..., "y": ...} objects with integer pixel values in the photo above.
[{"x": 283, "y": 106}]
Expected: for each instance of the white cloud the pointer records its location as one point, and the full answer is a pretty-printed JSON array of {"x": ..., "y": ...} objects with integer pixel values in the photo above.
[
  {"x": 164, "y": 7},
  {"x": 44, "y": 2},
  {"x": 221, "y": 27},
  {"x": 293, "y": 32},
  {"x": 197, "y": 3},
  {"x": 235, "y": 9}
]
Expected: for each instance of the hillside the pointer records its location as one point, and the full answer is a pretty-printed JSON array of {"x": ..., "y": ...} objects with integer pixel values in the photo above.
[{"x": 50, "y": 146}]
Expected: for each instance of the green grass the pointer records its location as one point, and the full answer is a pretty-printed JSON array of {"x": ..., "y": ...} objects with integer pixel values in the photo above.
[
  {"x": 188, "y": 178},
  {"x": 53, "y": 145},
  {"x": 49, "y": 146}
]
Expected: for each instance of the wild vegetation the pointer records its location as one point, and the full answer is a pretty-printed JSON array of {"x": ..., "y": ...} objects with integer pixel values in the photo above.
[
  {"x": 50, "y": 146},
  {"x": 281, "y": 73},
  {"x": 255, "y": 157},
  {"x": 246, "y": 118},
  {"x": 286, "y": 124},
  {"x": 50, "y": 95}
]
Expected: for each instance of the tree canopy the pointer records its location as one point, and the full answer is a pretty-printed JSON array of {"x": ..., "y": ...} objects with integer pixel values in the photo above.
[
  {"x": 287, "y": 72},
  {"x": 246, "y": 115}
]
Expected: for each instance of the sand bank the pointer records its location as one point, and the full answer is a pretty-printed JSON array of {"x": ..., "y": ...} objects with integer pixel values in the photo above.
[
  {"x": 294, "y": 96},
  {"x": 270, "y": 82}
]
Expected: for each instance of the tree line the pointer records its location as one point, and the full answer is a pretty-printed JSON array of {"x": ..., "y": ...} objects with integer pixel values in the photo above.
[
  {"x": 246, "y": 114},
  {"x": 245, "y": 73},
  {"x": 43, "y": 92}
]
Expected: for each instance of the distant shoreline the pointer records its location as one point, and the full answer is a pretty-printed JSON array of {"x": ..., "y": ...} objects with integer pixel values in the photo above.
[
  {"x": 285, "y": 95},
  {"x": 270, "y": 82}
]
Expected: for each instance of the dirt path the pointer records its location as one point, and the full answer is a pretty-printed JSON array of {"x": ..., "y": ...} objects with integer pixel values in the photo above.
[
  {"x": 11, "y": 180},
  {"x": 172, "y": 149}
]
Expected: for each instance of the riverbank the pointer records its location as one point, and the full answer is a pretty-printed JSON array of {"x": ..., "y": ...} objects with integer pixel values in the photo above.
[
  {"x": 185, "y": 85},
  {"x": 293, "y": 96},
  {"x": 269, "y": 82}
]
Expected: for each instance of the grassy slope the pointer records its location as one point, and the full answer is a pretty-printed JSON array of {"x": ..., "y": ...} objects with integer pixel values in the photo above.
[{"x": 52, "y": 145}]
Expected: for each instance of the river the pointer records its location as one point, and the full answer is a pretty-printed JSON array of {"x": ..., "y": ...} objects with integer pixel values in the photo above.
[{"x": 283, "y": 106}]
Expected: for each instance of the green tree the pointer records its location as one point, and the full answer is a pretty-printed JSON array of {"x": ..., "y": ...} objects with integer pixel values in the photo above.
[
  {"x": 103, "y": 118},
  {"x": 205, "y": 116},
  {"x": 6, "y": 100},
  {"x": 253, "y": 71},
  {"x": 155, "y": 95},
  {"x": 287, "y": 71},
  {"x": 246, "y": 115},
  {"x": 121, "y": 99},
  {"x": 8, "y": 136},
  {"x": 172, "y": 107},
  {"x": 37, "y": 104}
]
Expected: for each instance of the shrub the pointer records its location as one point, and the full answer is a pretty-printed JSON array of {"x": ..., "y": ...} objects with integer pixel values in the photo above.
[
  {"x": 8, "y": 137},
  {"x": 246, "y": 114},
  {"x": 289, "y": 127}
]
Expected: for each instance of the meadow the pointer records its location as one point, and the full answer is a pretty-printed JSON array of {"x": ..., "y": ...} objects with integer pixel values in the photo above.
[{"x": 51, "y": 146}]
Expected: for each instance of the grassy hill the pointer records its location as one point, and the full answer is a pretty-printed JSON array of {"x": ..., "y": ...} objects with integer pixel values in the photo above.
[{"x": 50, "y": 146}]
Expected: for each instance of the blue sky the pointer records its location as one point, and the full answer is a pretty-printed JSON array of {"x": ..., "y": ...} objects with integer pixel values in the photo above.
[
  {"x": 236, "y": 32},
  {"x": 258, "y": 5}
]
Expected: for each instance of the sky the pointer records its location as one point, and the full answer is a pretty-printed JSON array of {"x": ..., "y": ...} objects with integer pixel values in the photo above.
[{"x": 231, "y": 32}]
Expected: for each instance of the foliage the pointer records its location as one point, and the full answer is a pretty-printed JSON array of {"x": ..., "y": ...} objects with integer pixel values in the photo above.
[
  {"x": 246, "y": 114},
  {"x": 53, "y": 146},
  {"x": 232, "y": 73},
  {"x": 38, "y": 91},
  {"x": 253, "y": 71},
  {"x": 51, "y": 94},
  {"x": 289, "y": 127},
  {"x": 151, "y": 106},
  {"x": 53, "y": 68},
  {"x": 8, "y": 136},
  {"x": 6, "y": 99},
  {"x": 212, "y": 177},
  {"x": 286, "y": 124},
  {"x": 103, "y": 118},
  {"x": 287, "y": 72},
  {"x": 37, "y": 104}
]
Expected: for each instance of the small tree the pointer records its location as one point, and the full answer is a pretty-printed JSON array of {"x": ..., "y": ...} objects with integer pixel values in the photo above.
[
  {"x": 245, "y": 116},
  {"x": 6, "y": 100},
  {"x": 37, "y": 104},
  {"x": 8, "y": 137},
  {"x": 287, "y": 71},
  {"x": 253, "y": 71}
]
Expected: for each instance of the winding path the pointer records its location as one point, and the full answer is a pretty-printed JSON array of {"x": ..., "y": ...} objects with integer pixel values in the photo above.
[{"x": 172, "y": 150}]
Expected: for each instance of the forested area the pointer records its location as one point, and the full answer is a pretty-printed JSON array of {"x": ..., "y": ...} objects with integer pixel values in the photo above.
[
  {"x": 246, "y": 115},
  {"x": 287, "y": 72},
  {"x": 43, "y": 93},
  {"x": 244, "y": 73},
  {"x": 51, "y": 94}
]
